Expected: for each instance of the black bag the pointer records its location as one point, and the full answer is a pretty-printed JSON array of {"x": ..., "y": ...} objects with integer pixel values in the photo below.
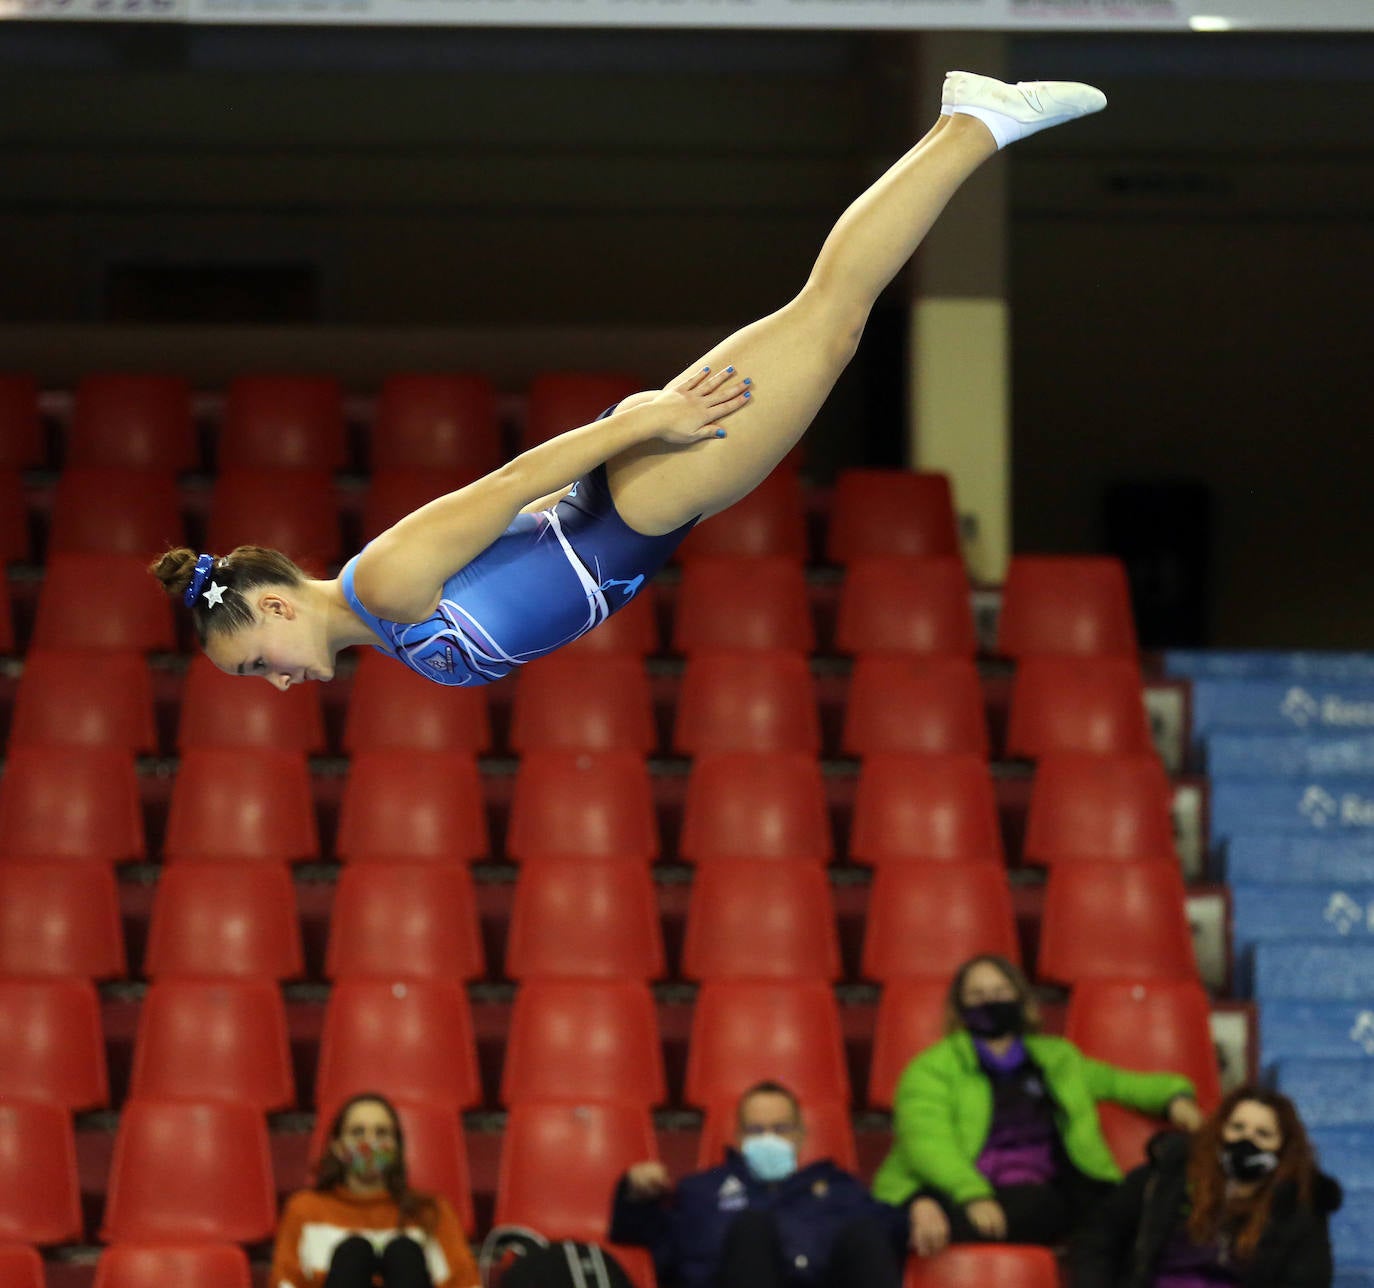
[{"x": 514, "y": 1257}]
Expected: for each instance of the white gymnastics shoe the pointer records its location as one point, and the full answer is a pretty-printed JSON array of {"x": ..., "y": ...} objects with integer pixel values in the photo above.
[{"x": 1013, "y": 112}]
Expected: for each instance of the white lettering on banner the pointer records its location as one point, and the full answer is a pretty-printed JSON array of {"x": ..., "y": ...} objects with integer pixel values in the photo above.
[
  {"x": 1338, "y": 711},
  {"x": 1357, "y": 811},
  {"x": 1300, "y": 707},
  {"x": 1343, "y": 912},
  {"x": 1319, "y": 806},
  {"x": 1362, "y": 1032}
]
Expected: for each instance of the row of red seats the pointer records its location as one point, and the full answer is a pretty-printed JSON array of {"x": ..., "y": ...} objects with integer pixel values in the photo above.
[
  {"x": 763, "y": 701},
  {"x": 212, "y": 1265},
  {"x": 80, "y": 802},
  {"x": 580, "y": 1040},
  {"x": 431, "y": 420},
  {"x": 889, "y": 603},
  {"x": 746, "y": 918}
]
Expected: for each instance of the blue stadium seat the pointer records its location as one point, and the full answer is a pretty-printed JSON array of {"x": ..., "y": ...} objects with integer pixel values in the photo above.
[
  {"x": 1303, "y": 807},
  {"x": 1269, "y": 664},
  {"x": 1316, "y": 970},
  {"x": 1329, "y": 1093},
  {"x": 1269, "y": 912},
  {"x": 1283, "y": 706},
  {"x": 1266, "y": 856},
  {"x": 1289, "y": 755},
  {"x": 1292, "y": 1028}
]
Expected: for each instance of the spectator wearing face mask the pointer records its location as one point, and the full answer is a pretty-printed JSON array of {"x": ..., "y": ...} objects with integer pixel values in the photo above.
[
  {"x": 759, "y": 1220},
  {"x": 362, "y": 1224},
  {"x": 1240, "y": 1203},
  {"x": 996, "y": 1134}
]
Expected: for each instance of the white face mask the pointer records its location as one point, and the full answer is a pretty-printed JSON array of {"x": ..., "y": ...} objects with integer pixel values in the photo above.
[{"x": 770, "y": 1157}]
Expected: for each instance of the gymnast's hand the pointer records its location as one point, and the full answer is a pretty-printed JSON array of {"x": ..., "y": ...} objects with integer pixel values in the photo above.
[{"x": 692, "y": 409}]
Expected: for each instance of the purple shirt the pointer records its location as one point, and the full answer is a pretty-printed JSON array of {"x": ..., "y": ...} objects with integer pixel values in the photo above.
[
  {"x": 1185, "y": 1264},
  {"x": 1022, "y": 1140}
]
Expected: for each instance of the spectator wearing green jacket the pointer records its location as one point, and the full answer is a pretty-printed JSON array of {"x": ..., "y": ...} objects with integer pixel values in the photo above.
[{"x": 996, "y": 1134}]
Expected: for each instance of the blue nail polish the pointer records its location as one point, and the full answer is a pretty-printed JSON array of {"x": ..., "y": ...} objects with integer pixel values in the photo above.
[
  {"x": 705, "y": 370},
  {"x": 720, "y": 433},
  {"x": 747, "y": 381},
  {"x": 729, "y": 370},
  {"x": 747, "y": 392}
]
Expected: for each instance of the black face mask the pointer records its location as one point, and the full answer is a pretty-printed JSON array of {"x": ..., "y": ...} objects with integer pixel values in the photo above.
[
  {"x": 1243, "y": 1160},
  {"x": 994, "y": 1019}
]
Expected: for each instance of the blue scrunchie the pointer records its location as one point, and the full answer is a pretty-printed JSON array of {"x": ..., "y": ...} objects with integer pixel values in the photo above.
[{"x": 202, "y": 571}]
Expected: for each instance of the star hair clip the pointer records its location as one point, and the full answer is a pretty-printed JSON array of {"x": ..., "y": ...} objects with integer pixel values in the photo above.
[{"x": 214, "y": 597}]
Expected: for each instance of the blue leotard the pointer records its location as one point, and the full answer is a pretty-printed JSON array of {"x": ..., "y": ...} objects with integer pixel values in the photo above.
[{"x": 547, "y": 579}]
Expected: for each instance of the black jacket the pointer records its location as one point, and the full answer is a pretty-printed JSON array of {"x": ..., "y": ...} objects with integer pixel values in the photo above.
[{"x": 1121, "y": 1245}]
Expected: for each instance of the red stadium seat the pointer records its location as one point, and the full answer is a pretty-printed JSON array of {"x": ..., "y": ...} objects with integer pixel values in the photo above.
[
  {"x": 222, "y": 710},
  {"x": 412, "y": 1040},
  {"x": 241, "y": 803},
  {"x": 293, "y": 511},
  {"x": 391, "y": 708},
  {"x": 589, "y": 804},
  {"x": 583, "y": 1041},
  {"x": 140, "y": 421},
  {"x": 829, "y": 1134},
  {"x": 926, "y": 918},
  {"x": 228, "y": 920},
  {"x": 1160, "y": 1025},
  {"x": 755, "y": 805},
  {"x": 731, "y": 603},
  {"x": 8, "y": 642},
  {"x": 436, "y": 1153},
  {"x": 760, "y": 919},
  {"x": 188, "y": 1170},
  {"x": 214, "y": 1040},
  {"x": 20, "y": 1265},
  {"x": 437, "y": 421},
  {"x": 74, "y": 699},
  {"x": 393, "y": 492},
  {"x": 54, "y": 1048},
  {"x": 770, "y": 520},
  {"x": 404, "y": 921},
  {"x": 1099, "y": 807},
  {"x": 14, "y": 518},
  {"x": 1077, "y": 704},
  {"x": 1110, "y": 920},
  {"x": 283, "y": 422},
  {"x": 584, "y": 918},
  {"x": 60, "y": 919},
  {"x": 40, "y": 1197},
  {"x": 747, "y": 702},
  {"x": 924, "y": 807},
  {"x": 583, "y": 703},
  {"x": 930, "y": 705},
  {"x": 545, "y": 1144},
  {"x": 632, "y": 630},
  {"x": 911, "y": 1017},
  {"x": 891, "y": 512},
  {"x": 21, "y": 429},
  {"x": 411, "y": 805},
  {"x": 1076, "y": 605},
  {"x": 102, "y": 601},
  {"x": 977, "y": 1265},
  {"x": 1127, "y": 1132},
  {"x": 70, "y": 802},
  {"x": 744, "y": 1031},
  {"x": 115, "y": 511},
  {"x": 917, "y": 605},
  {"x": 206, "y": 1265},
  {"x": 562, "y": 400}
]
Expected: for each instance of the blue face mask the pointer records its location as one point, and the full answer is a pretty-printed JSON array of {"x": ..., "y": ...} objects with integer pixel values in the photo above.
[{"x": 770, "y": 1157}]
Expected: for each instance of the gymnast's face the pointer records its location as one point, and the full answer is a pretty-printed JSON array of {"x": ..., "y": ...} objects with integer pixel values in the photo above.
[{"x": 285, "y": 645}]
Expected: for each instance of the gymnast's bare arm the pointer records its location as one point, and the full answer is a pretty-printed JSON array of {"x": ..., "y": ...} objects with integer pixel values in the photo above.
[{"x": 401, "y": 574}]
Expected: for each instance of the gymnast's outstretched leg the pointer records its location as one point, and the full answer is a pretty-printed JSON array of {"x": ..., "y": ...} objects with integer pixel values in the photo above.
[{"x": 794, "y": 356}]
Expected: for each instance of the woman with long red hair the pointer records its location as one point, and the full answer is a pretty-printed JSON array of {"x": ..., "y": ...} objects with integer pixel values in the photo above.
[{"x": 1240, "y": 1202}]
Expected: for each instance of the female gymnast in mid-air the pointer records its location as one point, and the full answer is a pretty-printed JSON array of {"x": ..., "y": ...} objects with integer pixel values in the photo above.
[{"x": 537, "y": 553}]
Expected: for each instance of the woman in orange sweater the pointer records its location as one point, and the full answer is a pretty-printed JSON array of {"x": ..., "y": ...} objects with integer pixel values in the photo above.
[{"x": 362, "y": 1224}]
